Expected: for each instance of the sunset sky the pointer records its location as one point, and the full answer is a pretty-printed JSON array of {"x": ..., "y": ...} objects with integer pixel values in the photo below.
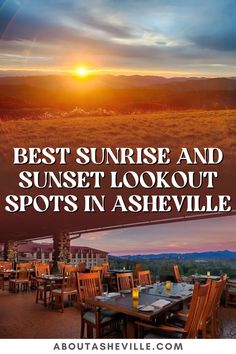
[
  {"x": 162, "y": 37},
  {"x": 215, "y": 234}
]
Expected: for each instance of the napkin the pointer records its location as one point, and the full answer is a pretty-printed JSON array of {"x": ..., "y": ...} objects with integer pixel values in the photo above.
[
  {"x": 146, "y": 308},
  {"x": 160, "y": 303}
]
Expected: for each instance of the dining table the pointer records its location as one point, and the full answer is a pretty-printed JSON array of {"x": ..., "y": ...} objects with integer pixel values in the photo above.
[
  {"x": 7, "y": 271},
  {"x": 120, "y": 271},
  {"x": 204, "y": 277},
  {"x": 47, "y": 282},
  {"x": 153, "y": 302}
]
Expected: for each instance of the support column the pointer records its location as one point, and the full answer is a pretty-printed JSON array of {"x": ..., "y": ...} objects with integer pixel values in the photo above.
[
  {"x": 10, "y": 251},
  {"x": 61, "y": 248}
]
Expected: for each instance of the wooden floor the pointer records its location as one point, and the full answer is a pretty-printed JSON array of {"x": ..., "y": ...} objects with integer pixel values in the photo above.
[{"x": 20, "y": 317}]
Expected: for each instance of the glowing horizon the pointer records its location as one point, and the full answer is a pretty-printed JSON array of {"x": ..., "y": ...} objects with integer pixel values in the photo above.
[
  {"x": 165, "y": 238},
  {"x": 113, "y": 71}
]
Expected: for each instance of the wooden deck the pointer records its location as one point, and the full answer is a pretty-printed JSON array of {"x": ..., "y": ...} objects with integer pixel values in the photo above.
[{"x": 20, "y": 317}]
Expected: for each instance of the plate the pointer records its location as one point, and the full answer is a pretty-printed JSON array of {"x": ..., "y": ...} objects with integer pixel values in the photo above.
[
  {"x": 148, "y": 308},
  {"x": 101, "y": 297},
  {"x": 128, "y": 291},
  {"x": 113, "y": 294}
]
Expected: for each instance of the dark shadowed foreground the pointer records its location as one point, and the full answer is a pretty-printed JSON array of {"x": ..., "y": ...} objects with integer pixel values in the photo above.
[{"x": 20, "y": 317}]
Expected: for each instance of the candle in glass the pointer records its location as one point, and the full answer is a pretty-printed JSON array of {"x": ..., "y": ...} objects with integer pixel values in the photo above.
[
  {"x": 135, "y": 294},
  {"x": 168, "y": 285}
]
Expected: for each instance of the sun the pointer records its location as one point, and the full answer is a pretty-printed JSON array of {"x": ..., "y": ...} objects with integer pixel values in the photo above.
[{"x": 81, "y": 71}]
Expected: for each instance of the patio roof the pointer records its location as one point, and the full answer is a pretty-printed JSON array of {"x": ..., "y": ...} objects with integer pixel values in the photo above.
[{"x": 34, "y": 225}]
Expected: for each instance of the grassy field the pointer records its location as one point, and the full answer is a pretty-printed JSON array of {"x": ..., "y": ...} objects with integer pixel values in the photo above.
[{"x": 172, "y": 129}]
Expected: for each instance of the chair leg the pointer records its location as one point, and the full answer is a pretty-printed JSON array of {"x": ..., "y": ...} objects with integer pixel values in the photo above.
[
  {"x": 82, "y": 327},
  {"x": 204, "y": 331},
  {"x": 213, "y": 328},
  {"x": 52, "y": 299},
  {"x": 44, "y": 297},
  {"x": 89, "y": 330},
  {"x": 62, "y": 303},
  {"x": 98, "y": 331}
]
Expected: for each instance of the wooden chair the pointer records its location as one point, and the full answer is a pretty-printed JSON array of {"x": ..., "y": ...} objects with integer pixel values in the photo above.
[
  {"x": 107, "y": 277},
  {"x": 67, "y": 288},
  {"x": 42, "y": 288},
  {"x": 125, "y": 281},
  {"x": 6, "y": 276},
  {"x": 138, "y": 268},
  {"x": 23, "y": 265},
  {"x": 191, "y": 326},
  {"x": 178, "y": 277},
  {"x": 36, "y": 262},
  {"x": 6, "y": 265},
  {"x": 144, "y": 278},
  {"x": 89, "y": 285},
  {"x": 82, "y": 267},
  {"x": 21, "y": 280},
  {"x": 98, "y": 269},
  {"x": 210, "y": 313},
  {"x": 105, "y": 267},
  {"x": 1, "y": 282},
  {"x": 60, "y": 266}
]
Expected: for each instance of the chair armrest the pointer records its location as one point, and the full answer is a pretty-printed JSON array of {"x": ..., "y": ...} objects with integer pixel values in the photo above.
[
  {"x": 182, "y": 314},
  {"x": 55, "y": 285},
  {"x": 171, "y": 329},
  {"x": 161, "y": 327},
  {"x": 87, "y": 307}
]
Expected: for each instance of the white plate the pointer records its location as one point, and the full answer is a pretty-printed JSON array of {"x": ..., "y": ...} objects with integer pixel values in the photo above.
[
  {"x": 113, "y": 294},
  {"x": 101, "y": 297},
  {"x": 126, "y": 291},
  {"x": 147, "y": 308}
]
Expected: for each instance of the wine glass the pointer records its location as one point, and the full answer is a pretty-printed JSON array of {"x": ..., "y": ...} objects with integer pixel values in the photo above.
[{"x": 105, "y": 290}]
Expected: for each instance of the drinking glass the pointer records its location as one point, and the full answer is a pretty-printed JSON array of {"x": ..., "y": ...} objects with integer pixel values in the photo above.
[{"x": 105, "y": 289}]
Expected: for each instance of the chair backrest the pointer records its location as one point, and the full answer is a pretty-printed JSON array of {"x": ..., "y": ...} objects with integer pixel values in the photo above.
[
  {"x": 6, "y": 265},
  {"x": 197, "y": 306},
  {"x": 144, "y": 278},
  {"x": 22, "y": 274},
  {"x": 177, "y": 274},
  {"x": 82, "y": 267},
  {"x": 98, "y": 269},
  {"x": 1, "y": 282},
  {"x": 60, "y": 266},
  {"x": 42, "y": 269},
  {"x": 89, "y": 284},
  {"x": 138, "y": 268},
  {"x": 69, "y": 277},
  {"x": 213, "y": 296},
  {"x": 23, "y": 265},
  {"x": 125, "y": 281},
  {"x": 105, "y": 267},
  {"x": 224, "y": 279}
]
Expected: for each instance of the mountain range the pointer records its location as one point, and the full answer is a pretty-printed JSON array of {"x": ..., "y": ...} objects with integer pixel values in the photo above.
[
  {"x": 195, "y": 256},
  {"x": 121, "y": 94}
]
